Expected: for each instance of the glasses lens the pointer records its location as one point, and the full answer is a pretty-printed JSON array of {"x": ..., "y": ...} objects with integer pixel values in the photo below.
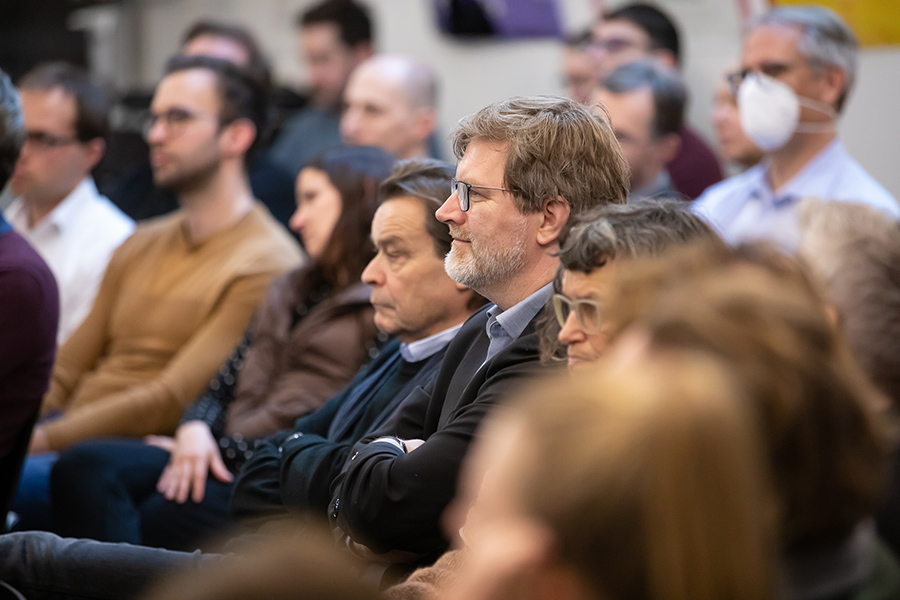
[
  {"x": 561, "y": 308},
  {"x": 462, "y": 191},
  {"x": 588, "y": 316}
]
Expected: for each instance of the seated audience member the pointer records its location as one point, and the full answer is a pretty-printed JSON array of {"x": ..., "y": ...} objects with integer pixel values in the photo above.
[
  {"x": 592, "y": 250},
  {"x": 579, "y": 72},
  {"x": 57, "y": 206},
  {"x": 178, "y": 294},
  {"x": 390, "y": 103},
  {"x": 798, "y": 65},
  {"x": 738, "y": 151},
  {"x": 135, "y": 192},
  {"x": 855, "y": 251},
  {"x": 643, "y": 479},
  {"x": 645, "y": 101},
  {"x": 826, "y": 442},
  {"x": 309, "y": 337},
  {"x": 29, "y": 313},
  {"x": 638, "y": 31},
  {"x": 333, "y": 37},
  {"x": 527, "y": 163},
  {"x": 415, "y": 301}
]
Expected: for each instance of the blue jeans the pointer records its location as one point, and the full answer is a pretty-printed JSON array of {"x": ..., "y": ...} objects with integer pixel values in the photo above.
[
  {"x": 106, "y": 490},
  {"x": 32, "y": 502}
]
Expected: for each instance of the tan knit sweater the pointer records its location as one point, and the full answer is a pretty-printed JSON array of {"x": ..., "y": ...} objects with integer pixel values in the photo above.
[{"x": 167, "y": 315}]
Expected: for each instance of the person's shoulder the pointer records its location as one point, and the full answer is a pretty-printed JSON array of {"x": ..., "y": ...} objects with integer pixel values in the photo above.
[
  {"x": 22, "y": 271},
  {"x": 860, "y": 186},
  {"x": 262, "y": 244},
  {"x": 727, "y": 189}
]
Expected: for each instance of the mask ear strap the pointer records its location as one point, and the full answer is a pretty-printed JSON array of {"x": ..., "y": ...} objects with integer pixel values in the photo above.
[{"x": 821, "y": 107}]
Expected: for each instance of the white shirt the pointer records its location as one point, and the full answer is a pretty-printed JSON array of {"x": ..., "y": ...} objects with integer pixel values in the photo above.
[
  {"x": 745, "y": 208},
  {"x": 76, "y": 239}
]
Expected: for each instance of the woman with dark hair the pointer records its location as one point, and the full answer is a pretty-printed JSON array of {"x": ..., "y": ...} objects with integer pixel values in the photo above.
[{"x": 313, "y": 331}]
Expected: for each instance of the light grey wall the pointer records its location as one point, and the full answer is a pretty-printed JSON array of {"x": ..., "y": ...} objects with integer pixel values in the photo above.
[{"x": 474, "y": 74}]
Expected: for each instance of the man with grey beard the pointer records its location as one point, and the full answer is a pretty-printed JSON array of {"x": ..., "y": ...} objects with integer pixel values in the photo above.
[{"x": 525, "y": 166}]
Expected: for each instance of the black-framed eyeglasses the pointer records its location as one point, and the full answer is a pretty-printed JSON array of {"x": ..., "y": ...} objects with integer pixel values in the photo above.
[
  {"x": 587, "y": 312},
  {"x": 462, "y": 191},
  {"x": 41, "y": 140},
  {"x": 614, "y": 45},
  {"x": 771, "y": 69},
  {"x": 174, "y": 120}
]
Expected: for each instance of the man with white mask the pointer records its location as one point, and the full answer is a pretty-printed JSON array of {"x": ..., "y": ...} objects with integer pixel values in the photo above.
[{"x": 797, "y": 68}]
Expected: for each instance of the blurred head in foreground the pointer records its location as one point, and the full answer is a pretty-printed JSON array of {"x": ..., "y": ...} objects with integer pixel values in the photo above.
[{"x": 640, "y": 479}]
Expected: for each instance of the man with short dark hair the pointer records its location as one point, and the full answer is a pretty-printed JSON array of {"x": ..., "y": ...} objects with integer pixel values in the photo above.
[
  {"x": 57, "y": 207},
  {"x": 638, "y": 31},
  {"x": 645, "y": 101},
  {"x": 798, "y": 65},
  {"x": 178, "y": 294},
  {"x": 334, "y": 37}
]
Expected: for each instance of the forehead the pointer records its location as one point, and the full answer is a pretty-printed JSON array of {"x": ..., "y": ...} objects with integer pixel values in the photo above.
[
  {"x": 192, "y": 89},
  {"x": 402, "y": 218},
  {"x": 632, "y": 110},
  {"x": 770, "y": 43},
  {"x": 370, "y": 85},
  {"x": 483, "y": 163},
  {"x": 596, "y": 284},
  {"x": 52, "y": 109},
  {"x": 320, "y": 37},
  {"x": 621, "y": 29}
]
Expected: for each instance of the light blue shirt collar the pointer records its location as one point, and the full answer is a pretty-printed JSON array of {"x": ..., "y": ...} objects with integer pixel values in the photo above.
[
  {"x": 505, "y": 326},
  {"x": 422, "y": 349}
]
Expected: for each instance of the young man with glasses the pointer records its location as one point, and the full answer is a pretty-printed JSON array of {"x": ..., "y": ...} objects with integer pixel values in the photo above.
[
  {"x": 798, "y": 65},
  {"x": 596, "y": 246},
  {"x": 57, "y": 207},
  {"x": 178, "y": 294}
]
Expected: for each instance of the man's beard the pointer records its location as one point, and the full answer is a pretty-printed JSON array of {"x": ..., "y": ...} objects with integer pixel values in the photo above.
[
  {"x": 190, "y": 181},
  {"x": 481, "y": 269}
]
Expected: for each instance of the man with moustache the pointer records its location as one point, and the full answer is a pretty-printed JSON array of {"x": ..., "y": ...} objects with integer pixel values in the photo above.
[{"x": 178, "y": 294}]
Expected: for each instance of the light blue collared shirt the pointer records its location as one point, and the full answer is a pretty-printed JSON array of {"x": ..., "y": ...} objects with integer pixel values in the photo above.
[
  {"x": 744, "y": 207},
  {"x": 422, "y": 349},
  {"x": 505, "y": 326}
]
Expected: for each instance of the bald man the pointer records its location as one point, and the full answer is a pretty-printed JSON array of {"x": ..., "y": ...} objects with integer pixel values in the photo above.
[{"x": 390, "y": 103}]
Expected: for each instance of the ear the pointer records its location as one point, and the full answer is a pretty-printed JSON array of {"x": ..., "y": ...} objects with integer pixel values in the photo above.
[
  {"x": 238, "y": 136},
  {"x": 666, "y": 57},
  {"x": 833, "y": 80},
  {"x": 362, "y": 52},
  {"x": 554, "y": 215},
  {"x": 669, "y": 145},
  {"x": 93, "y": 151},
  {"x": 426, "y": 121}
]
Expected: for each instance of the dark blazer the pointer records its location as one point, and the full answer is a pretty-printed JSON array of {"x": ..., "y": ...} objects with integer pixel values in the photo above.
[
  {"x": 295, "y": 472},
  {"x": 388, "y": 500}
]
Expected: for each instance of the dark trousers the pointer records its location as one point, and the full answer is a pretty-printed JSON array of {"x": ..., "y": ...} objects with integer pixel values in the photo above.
[{"x": 106, "y": 490}]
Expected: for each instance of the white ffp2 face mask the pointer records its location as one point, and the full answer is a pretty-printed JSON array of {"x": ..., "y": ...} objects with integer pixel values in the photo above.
[{"x": 770, "y": 112}]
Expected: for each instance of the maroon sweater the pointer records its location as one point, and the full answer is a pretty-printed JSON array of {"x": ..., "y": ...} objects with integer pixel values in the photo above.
[{"x": 29, "y": 316}]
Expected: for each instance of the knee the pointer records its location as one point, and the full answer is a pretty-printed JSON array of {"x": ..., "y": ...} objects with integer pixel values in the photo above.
[{"x": 82, "y": 468}]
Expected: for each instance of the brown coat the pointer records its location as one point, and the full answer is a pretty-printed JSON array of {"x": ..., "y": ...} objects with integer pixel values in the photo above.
[{"x": 288, "y": 372}]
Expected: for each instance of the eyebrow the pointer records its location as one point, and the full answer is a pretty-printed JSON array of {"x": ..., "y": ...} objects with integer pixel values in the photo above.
[{"x": 388, "y": 241}]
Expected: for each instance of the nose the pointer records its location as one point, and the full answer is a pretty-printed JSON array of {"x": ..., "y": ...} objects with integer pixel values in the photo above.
[
  {"x": 449, "y": 212},
  {"x": 570, "y": 332},
  {"x": 297, "y": 220},
  {"x": 372, "y": 274},
  {"x": 349, "y": 125},
  {"x": 156, "y": 132}
]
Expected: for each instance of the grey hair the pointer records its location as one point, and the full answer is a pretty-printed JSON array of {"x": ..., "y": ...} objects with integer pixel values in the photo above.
[
  {"x": 854, "y": 249},
  {"x": 666, "y": 86},
  {"x": 645, "y": 227},
  {"x": 12, "y": 128},
  {"x": 826, "y": 40}
]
